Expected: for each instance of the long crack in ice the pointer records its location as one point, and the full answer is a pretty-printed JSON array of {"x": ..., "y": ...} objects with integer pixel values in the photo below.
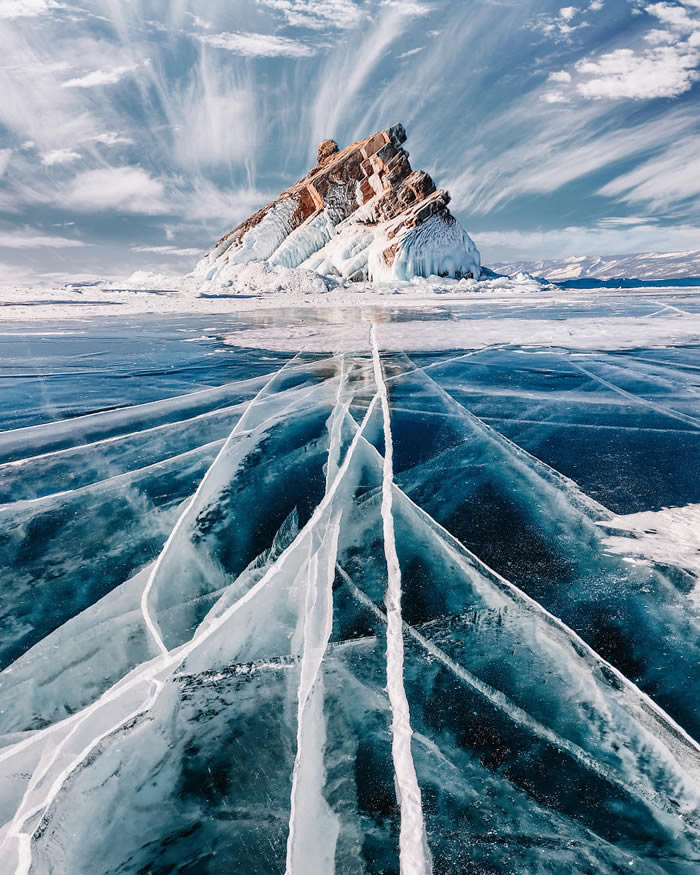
[{"x": 413, "y": 848}]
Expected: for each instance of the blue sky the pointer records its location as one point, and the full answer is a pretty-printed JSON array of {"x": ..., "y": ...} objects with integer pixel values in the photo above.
[{"x": 134, "y": 132}]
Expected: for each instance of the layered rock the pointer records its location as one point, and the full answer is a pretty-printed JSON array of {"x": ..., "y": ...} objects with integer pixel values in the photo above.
[{"x": 362, "y": 214}]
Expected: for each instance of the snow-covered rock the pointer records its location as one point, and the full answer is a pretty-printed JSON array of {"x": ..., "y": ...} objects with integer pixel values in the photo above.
[{"x": 361, "y": 214}]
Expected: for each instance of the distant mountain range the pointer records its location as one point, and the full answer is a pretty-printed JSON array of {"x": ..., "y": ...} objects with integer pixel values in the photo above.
[{"x": 644, "y": 266}]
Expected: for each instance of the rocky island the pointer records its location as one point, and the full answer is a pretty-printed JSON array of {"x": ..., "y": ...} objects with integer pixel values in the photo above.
[{"x": 362, "y": 213}]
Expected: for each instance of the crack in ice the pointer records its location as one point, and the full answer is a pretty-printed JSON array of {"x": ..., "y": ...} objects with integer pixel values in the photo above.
[
  {"x": 414, "y": 855},
  {"x": 652, "y": 405}
]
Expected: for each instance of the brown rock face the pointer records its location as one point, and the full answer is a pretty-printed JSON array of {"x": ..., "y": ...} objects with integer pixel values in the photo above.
[
  {"x": 325, "y": 150},
  {"x": 372, "y": 176}
]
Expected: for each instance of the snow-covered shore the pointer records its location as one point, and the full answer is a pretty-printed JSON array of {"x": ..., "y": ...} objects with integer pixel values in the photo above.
[
  {"x": 290, "y": 309},
  {"x": 253, "y": 286}
]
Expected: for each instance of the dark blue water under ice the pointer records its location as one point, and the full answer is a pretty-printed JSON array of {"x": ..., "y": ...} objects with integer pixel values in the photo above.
[{"x": 199, "y": 684}]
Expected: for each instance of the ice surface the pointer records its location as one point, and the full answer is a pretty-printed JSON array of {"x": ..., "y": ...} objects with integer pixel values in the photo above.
[{"x": 373, "y": 610}]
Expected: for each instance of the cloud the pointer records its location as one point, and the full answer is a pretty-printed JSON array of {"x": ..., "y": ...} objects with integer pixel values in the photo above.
[
  {"x": 559, "y": 27},
  {"x": 10, "y": 9},
  {"x": 122, "y": 189},
  {"x": 666, "y": 68},
  {"x": 646, "y": 236},
  {"x": 31, "y": 239},
  {"x": 567, "y": 147},
  {"x": 555, "y": 97},
  {"x": 408, "y": 7},
  {"x": 112, "y": 138},
  {"x": 213, "y": 117},
  {"x": 168, "y": 250},
  {"x": 199, "y": 22},
  {"x": 675, "y": 16},
  {"x": 59, "y": 156},
  {"x": 410, "y": 52},
  {"x": 559, "y": 76},
  {"x": 353, "y": 65},
  {"x": 259, "y": 45},
  {"x": 100, "y": 77},
  {"x": 664, "y": 71},
  {"x": 668, "y": 179},
  {"x": 318, "y": 14},
  {"x": 616, "y": 221}
]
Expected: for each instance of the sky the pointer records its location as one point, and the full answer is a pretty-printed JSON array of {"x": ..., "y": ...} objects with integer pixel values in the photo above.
[{"x": 133, "y": 133}]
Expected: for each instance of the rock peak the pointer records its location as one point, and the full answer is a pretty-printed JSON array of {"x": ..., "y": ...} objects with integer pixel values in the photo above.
[
  {"x": 361, "y": 213},
  {"x": 325, "y": 150}
]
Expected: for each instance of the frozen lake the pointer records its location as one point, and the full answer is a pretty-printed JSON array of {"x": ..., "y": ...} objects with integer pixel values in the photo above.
[{"x": 328, "y": 588}]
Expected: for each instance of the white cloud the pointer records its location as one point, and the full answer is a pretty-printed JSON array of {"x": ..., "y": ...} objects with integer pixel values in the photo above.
[
  {"x": 318, "y": 14},
  {"x": 10, "y": 9},
  {"x": 200, "y": 22},
  {"x": 658, "y": 37},
  {"x": 664, "y": 71},
  {"x": 122, "y": 189},
  {"x": 559, "y": 76},
  {"x": 410, "y": 52},
  {"x": 112, "y": 138},
  {"x": 408, "y": 7},
  {"x": 168, "y": 250},
  {"x": 675, "y": 16},
  {"x": 581, "y": 240},
  {"x": 559, "y": 27},
  {"x": 28, "y": 238},
  {"x": 100, "y": 77},
  {"x": 555, "y": 97},
  {"x": 259, "y": 45},
  {"x": 615, "y": 221},
  {"x": 59, "y": 156}
]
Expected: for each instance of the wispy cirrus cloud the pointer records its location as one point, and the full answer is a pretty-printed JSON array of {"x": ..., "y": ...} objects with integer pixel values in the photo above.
[
  {"x": 172, "y": 251},
  {"x": 600, "y": 239},
  {"x": 29, "y": 238},
  {"x": 96, "y": 78},
  {"x": 664, "y": 182}
]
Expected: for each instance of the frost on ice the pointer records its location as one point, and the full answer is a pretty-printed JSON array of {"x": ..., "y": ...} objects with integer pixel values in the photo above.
[
  {"x": 366, "y": 632},
  {"x": 360, "y": 214}
]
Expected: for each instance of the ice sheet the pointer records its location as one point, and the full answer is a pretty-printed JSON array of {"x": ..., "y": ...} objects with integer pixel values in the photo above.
[{"x": 376, "y": 611}]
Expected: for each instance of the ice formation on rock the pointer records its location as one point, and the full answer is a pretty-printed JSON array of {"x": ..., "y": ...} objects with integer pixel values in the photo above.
[{"x": 361, "y": 214}]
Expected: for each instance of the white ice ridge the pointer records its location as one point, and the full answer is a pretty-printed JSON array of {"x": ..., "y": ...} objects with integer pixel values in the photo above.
[
  {"x": 188, "y": 511},
  {"x": 313, "y": 826},
  {"x": 70, "y": 742},
  {"x": 414, "y": 854}
]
